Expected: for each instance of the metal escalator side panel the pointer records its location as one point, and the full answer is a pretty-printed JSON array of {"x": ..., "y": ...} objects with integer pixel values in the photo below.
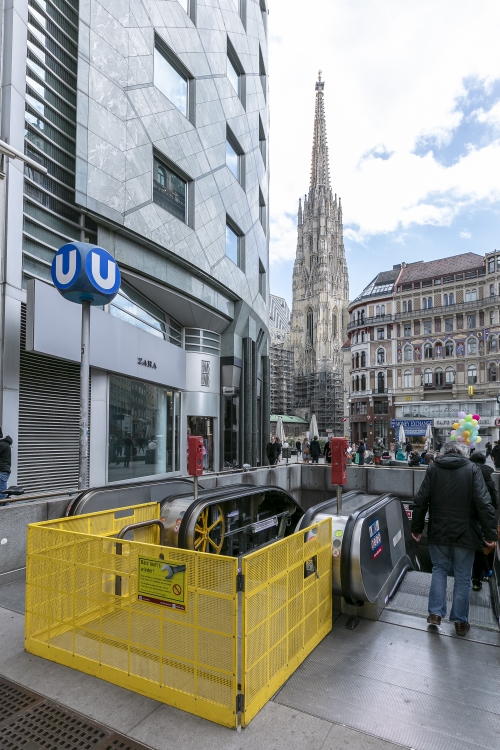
[{"x": 309, "y": 516}]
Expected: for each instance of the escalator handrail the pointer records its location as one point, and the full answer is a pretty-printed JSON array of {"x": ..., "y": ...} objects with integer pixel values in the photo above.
[
  {"x": 345, "y": 559},
  {"x": 307, "y": 518},
  {"x": 80, "y": 495}
]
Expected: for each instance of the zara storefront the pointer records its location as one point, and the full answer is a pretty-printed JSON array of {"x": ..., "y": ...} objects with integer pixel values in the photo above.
[{"x": 153, "y": 381}]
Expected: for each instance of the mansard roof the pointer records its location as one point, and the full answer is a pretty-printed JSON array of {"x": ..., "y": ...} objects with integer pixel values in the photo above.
[
  {"x": 382, "y": 284},
  {"x": 443, "y": 266}
]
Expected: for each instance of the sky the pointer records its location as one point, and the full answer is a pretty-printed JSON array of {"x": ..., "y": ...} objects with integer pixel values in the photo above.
[{"x": 412, "y": 100}]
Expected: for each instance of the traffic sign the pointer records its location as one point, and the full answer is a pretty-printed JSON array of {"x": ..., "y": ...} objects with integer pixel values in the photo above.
[{"x": 85, "y": 273}]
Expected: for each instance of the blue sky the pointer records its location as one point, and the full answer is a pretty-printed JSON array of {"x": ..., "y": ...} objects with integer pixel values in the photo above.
[{"x": 413, "y": 118}]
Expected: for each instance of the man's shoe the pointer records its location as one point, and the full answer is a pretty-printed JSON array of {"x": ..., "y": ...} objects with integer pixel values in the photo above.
[
  {"x": 476, "y": 584},
  {"x": 462, "y": 628},
  {"x": 434, "y": 620}
]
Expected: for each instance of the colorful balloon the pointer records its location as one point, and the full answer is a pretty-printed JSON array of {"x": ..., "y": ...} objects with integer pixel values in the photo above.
[
  {"x": 468, "y": 418},
  {"x": 466, "y": 433},
  {"x": 461, "y": 415},
  {"x": 461, "y": 422},
  {"x": 474, "y": 421},
  {"x": 460, "y": 439},
  {"x": 478, "y": 440},
  {"x": 476, "y": 416},
  {"x": 456, "y": 426},
  {"x": 453, "y": 437}
]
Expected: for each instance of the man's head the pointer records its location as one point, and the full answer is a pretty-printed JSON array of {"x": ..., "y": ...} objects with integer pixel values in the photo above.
[
  {"x": 478, "y": 458},
  {"x": 315, "y": 437},
  {"x": 454, "y": 449}
]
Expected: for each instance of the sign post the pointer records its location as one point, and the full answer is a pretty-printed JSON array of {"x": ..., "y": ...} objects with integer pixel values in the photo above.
[{"x": 86, "y": 275}]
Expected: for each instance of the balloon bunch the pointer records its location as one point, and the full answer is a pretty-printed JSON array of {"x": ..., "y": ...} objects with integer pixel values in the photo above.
[{"x": 466, "y": 430}]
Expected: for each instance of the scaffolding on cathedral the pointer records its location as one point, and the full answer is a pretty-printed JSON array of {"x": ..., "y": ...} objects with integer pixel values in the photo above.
[
  {"x": 282, "y": 381},
  {"x": 321, "y": 393}
]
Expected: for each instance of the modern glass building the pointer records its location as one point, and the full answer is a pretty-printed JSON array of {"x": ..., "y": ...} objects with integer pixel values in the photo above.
[{"x": 152, "y": 122}]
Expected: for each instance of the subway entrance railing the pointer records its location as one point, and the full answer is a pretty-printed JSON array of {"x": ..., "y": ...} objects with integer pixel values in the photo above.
[{"x": 189, "y": 629}]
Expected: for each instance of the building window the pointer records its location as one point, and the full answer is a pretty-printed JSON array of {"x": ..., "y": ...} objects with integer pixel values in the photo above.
[
  {"x": 382, "y": 309},
  {"x": 377, "y": 311},
  {"x": 448, "y": 324},
  {"x": 407, "y": 329},
  {"x": 405, "y": 306},
  {"x": 233, "y": 75},
  {"x": 438, "y": 377},
  {"x": 199, "y": 340},
  {"x": 451, "y": 298},
  {"x": 491, "y": 265},
  {"x": 407, "y": 379},
  {"x": 381, "y": 356},
  {"x": 363, "y": 382},
  {"x": 450, "y": 375},
  {"x": 472, "y": 374},
  {"x": 232, "y": 245},
  {"x": 169, "y": 190},
  {"x": 380, "y": 407},
  {"x": 262, "y": 212},
  {"x": 428, "y": 377},
  {"x": 380, "y": 382},
  {"x": 492, "y": 317},
  {"x": 471, "y": 295},
  {"x": 310, "y": 330},
  {"x": 427, "y": 351},
  {"x": 133, "y": 308},
  {"x": 471, "y": 321},
  {"x": 492, "y": 344},
  {"x": 141, "y": 429},
  {"x": 492, "y": 373},
  {"x": 449, "y": 348},
  {"x": 262, "y": 143},
  {"x": 492, "y": 290},
  {"x": 170, "y": 81},
  {"x": 429, "y": 303},
  {"x": 263, "y": 11},
  {"x": 427, "y": 327},
  {"x": 362, "y": 336},
  {"x": 471, "y": 346},
  {"x": 357, "y": 382},
  {"x": 235, "y": 72},
  {"x": 334, "y": 325},
  {"x": 233, "y": 158},
  {"x": 380, "y": 334},
  {"x": 445, "y": 299},
  {"x": 416, "y": 328},
  {"x": 262, "y": 280},
  {"x": 356, "y": 359},
  {"x": 262, "y": 74},
  {"x": 410, "y": 306},
  {"x": 363, "y": 359},
  {"x": 408, "y": 353}
]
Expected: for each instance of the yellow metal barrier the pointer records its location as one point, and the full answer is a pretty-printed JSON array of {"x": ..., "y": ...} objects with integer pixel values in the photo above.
[
  {"x": 164, "y": 622},
  {"x": 287, "y": 611},
  {"x": 74, "y": 616}
]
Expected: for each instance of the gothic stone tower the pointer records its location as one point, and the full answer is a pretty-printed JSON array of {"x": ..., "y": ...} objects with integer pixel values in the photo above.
[{"x": 320, "y": 288}]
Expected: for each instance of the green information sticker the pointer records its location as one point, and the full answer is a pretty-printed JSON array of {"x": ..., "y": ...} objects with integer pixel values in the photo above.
[
  {"x": 162, "y": 582},
  {"x": 339, "y": 533}
]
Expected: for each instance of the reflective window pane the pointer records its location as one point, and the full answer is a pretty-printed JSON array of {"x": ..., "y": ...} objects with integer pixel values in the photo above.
[
  {"x": 233, "y": 76},
  {"x": 232, "y": 160},
  {"x": 231, "y": 245},
  {"x": 170, "y": 82},
  {"x": 185, "y": 5},
  {"x": 169, "y": 190},
  {"x": 140, "y": 429}
]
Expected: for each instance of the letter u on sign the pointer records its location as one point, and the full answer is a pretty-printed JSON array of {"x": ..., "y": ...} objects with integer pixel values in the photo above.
[
  {"x": 108, "y": 281},
  {"x": 68, "y": 276}
]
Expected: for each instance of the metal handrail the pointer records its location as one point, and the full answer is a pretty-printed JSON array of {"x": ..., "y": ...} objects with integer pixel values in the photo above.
[
  {"x": 371, "y": 321},
  {"x": 142, "y": 525}
]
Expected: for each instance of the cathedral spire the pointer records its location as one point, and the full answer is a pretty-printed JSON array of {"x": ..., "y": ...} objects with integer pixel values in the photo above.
[{"x": 320, "y": 171}]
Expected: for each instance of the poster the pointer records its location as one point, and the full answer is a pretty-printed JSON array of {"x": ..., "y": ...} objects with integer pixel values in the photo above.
[
  {"x": 162, "y": 582},
  {"x": 375, "y": 538}
]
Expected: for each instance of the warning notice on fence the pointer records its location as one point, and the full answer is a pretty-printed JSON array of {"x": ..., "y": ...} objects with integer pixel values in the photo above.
[{"x": 162, "y": 582}]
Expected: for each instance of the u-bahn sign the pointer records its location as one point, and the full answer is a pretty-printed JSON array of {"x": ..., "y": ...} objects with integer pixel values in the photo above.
[{"x": 83, "y": 272}]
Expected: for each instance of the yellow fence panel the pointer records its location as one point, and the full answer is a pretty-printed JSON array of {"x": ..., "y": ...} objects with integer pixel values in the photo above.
[
  {"x": 286, "y": 611},
  {"x": 83, "y": 610}
]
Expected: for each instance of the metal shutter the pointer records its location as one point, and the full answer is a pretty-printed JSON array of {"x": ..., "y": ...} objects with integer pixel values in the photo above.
[{"x": 49, "y": 406}]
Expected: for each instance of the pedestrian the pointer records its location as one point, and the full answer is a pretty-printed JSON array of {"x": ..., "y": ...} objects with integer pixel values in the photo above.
[
  {"x": 315, "y": 450},
  {"x": 483, "y": 561},
  {"x": 487, "y": 448},
  {"x": 272, "y": 451},
  {"x": 461, "y": 517},
  {"x": 306, "y": 451},
  {"x": 391, "y": 446},
  {"x": 439, "y": 445},
  {"x": 298, "y": 446},
  {"x": 414, "y": 458},
  {"x": 327, "y": 451},
  {"x": 495, "y": 454},
  {"x": 128, "y": 447},
  {"x": 429, "y": 458},
  {"x": 408, "y": 448},
  {"x": 5, "y": 461},
  {"x": 361, "y": 452}
]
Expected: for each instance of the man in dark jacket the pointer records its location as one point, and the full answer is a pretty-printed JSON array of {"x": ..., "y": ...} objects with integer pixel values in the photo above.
[
  {"x": 272, "y": 452},
  {"x": 361, "y": 450},
  {"x": 461, "y": 520},
  {"x": 315, "y": 450},
  {"x": 483, "y": 564},
  {"x": 495, "y": 454},
  {"x": 5, "y": 461}
]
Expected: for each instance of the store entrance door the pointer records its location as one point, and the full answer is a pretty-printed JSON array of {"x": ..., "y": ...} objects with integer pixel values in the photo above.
[{"x": 204, "y": 427}]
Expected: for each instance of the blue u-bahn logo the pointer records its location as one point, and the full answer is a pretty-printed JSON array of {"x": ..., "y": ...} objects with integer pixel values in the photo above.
[{"x": 85, "y": 272}]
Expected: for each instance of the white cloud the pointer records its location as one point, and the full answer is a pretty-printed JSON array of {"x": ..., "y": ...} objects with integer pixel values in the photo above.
[
  {"x": 465, "y": 235},
  {"x": 394, "y": 72}
]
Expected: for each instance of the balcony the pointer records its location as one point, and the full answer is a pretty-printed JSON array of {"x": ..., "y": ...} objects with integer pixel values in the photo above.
[
  {"x": 479, "y": 304},
  {"x": 444, "y": 387},
  {"x": 377, "y": 320}
]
